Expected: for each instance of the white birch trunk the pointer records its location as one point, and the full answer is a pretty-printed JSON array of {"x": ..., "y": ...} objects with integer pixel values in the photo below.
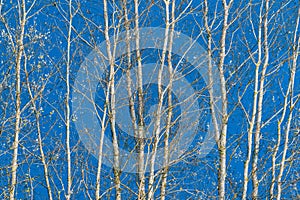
[
  {"x": 254, "y": 110},
  {"x": 141, "y": 123},
  {"x": 112, "y": 104},
  {"x": 292, "y": 105},
  {"x": 157, "y": 128},
  {"x": 67, "y": 102},
  {"x": 257, "y": 135},
  {"x": 223, "y": 131},
  {"x": 170, "y": 110},
  {"x": 15, "y": 146}
]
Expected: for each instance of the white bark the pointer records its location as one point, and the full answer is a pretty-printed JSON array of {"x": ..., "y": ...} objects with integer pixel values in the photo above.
[
  {"x": 210, "y": 72},
  {"x": 170, "y": 110},
  {"x": 67, "y": 102},
  {"x": 290, "y": 93},
  {"x": 223, "y": 134},
  {"x": 15, "y": 146},
  {"x": 141, "y": 123},
  {"x": 140, "y": 159},
  {"x": 254, "y": 111},
  {"x": 257, "y": 135},
  {"x": 100, "y": 149},
  {"x": 128, "y": 75},
  {"x": 157, "y": 128},
  {"x": 112, "y": 104}
]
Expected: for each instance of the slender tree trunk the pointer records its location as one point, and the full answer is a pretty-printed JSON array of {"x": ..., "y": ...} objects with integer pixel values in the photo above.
[
  {"x": 250, "y": 134},
  {"x": 128, "y": 73},
  {"x": 131, "y": 100},
  {"x": 112, "y": 110},
  {"x": 15, "y": 146},
  {"x": 210, "y": 72},
  {"x": 100, "y": 149},
  {"x": 257, "y": 135},
  {"x": 67, "y": 102},
  {"x": 223, "y": 133},
  {"x": 141, "y": 123},
  {"x": 289, "y": 92},
  {"x": 254, "y": 111},
  {"x": 157, "y": 128},
  {"x": 170, "y": 110}
]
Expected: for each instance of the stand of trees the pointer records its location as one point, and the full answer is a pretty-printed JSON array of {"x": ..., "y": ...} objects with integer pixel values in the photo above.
[{"x": 241, "y": 102}]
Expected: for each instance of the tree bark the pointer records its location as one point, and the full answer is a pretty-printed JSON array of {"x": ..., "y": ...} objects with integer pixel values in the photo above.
[{"x": 15, "y": 146}]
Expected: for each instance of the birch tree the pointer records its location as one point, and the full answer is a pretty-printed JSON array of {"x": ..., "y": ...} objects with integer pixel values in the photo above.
[{"x": 19, "y": 50}]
